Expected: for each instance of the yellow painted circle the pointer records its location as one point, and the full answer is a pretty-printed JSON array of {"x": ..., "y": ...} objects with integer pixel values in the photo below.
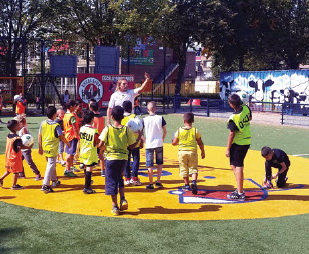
[{"x": 171, "y": 203}]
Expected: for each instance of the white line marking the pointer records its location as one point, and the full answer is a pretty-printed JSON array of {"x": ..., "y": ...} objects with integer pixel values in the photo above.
[{"x": 305, "y": 154}]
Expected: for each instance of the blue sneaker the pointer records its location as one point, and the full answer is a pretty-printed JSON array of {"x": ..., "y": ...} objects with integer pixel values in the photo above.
[
  {"x": 186, "y": 187},
  {"x": 236, "y": 196}
]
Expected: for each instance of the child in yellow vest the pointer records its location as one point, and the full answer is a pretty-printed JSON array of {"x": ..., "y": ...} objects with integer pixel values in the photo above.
[
  {"x": 131, "y": 176},
  {"x": 188, "y": 137},
  {"x": 49, "y": 135},
  {"x": 116, "y": 139},
  {"x": 238, "y": 143},
  {"x": 99, "y": 124},
  {"x": 88, "y": 156}
]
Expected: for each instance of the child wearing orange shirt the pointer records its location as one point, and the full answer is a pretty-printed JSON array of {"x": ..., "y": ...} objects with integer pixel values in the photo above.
[
  {"x": 71, "y": 133},
  {"x": 13, "y": 155}
]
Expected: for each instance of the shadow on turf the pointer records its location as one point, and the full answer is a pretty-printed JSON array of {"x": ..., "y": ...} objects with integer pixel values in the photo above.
[
  {"x": 163, "y": 210},
  {"x": 287, "y": 197},
  {"x": 176, "y": 166},
  {"x": 180, "y": 182},
  {"x": 66, "y": 187},
  {"x": 7, "y": 197}
]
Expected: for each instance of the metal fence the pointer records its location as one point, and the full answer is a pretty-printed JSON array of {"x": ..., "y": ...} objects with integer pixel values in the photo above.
[{"x": 281, "y": 113}]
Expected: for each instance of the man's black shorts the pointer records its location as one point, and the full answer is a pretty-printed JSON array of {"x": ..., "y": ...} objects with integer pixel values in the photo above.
[{"x": 238, "y": 154}]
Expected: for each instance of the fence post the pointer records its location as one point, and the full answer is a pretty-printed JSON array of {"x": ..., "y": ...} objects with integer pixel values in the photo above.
[
  {"x": 281, "y": 113},
  {"x": 175, "y": 99}
]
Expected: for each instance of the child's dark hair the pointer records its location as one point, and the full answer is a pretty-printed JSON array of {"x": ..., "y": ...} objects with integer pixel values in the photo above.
[
  {"x": 235, "y": 100},
  {"x": 88, "y": 117},
  {"x": 11, "y": 125},
  {"x": 92, "y": 100},
  {"x": 78, "y": 101},
  {"x": 94, "y": 106},
  {"x": 71, "y": 103},
  {"x": 51, "y": 111},
  {"x": 127, "y": 106},
  {"x": 265, "y": 151},
  {"x": 188, "y": 117},
  {"x": 117, "y": 113}
]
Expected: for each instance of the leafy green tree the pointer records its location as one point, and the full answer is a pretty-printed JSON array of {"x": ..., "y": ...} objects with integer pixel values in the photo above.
[
  {"x": 20, "y": 22},
  {"x": 284, "y": 31},
  {"x": 257, "y": 35},
  {"x": 100, "y": 22},
  {"x": 178, "y": 27}
]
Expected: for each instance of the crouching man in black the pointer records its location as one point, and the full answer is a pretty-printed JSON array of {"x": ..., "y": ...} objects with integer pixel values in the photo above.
[{"x": 275, "y": 158}]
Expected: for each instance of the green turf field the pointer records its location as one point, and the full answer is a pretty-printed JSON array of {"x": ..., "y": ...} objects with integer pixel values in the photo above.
[{"x": 26, "y": 230}]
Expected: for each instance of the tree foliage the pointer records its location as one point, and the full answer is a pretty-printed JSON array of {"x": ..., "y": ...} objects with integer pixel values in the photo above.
[
  {"x": 257, "y": 35},
  {"x": 178, "y": 27},
  {"x": 20, "y": 22},
  {"x": 103, "y": 22},
  {"x": 239, "y": 34}
]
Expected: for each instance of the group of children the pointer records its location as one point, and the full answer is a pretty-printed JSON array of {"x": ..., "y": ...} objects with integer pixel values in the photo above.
[{"x": 113, "y": 145}]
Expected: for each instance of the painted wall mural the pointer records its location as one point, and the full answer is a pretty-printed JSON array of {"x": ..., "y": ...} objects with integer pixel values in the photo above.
[{"x": 287, "y": 86}]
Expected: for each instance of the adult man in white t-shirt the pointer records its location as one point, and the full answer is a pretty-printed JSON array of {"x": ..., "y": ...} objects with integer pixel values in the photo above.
[{"x": 122, "y": 94}]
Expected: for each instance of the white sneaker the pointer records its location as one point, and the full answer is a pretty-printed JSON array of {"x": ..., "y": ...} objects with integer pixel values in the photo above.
[
  {"x": 137, "y": 183},
  {"x": 127, "y": 182},
  {"x": 55, "y": 183}
]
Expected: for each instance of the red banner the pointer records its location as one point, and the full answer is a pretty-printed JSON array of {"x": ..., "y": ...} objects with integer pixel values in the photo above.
[{"x": 99, "y": 87}]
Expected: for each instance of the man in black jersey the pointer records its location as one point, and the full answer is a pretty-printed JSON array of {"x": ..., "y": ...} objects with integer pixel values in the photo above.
[{"x": 275, "y": 158}]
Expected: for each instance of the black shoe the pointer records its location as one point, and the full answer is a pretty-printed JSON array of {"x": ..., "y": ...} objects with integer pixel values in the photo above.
[
  {"x": 150, "y": 187},
  {"x": 17, "y": 187},
  {"x": 194, "y": 188},
  {"x": 158, "y": 184},
  {"x": 21, "y": 175},
  {"x": 47, "y": 189},
  {"x": 88, "y": 191}
]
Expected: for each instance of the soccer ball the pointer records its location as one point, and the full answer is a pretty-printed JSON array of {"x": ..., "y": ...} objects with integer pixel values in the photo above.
[
  {"x": 17, "y": 97},
  {"x": 135, "y": 124},
  {"x": 244, "y": 96},
  {"x": 27, "y": 140}
]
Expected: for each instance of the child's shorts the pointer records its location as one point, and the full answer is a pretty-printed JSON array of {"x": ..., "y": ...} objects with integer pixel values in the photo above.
[
  {"x": 150, "y": 156},
  {"x": 73, "y": 145},
  {"x": 238, "y": 154},
  {"x": 91, "y": 164},
  {"x": 188, "y": 161},
  {"x": 113, "y": 176}
]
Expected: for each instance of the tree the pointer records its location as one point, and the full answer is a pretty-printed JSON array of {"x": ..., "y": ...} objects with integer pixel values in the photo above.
[
  {"x": 228, "y": 32},
  {"x": 100, "y": 22},
  {"x": 257, "y": 35},
  {"x": 178, "y": 27},
  {"x": 20, "y": 21},
  {"x": 284, "y": 31}
]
